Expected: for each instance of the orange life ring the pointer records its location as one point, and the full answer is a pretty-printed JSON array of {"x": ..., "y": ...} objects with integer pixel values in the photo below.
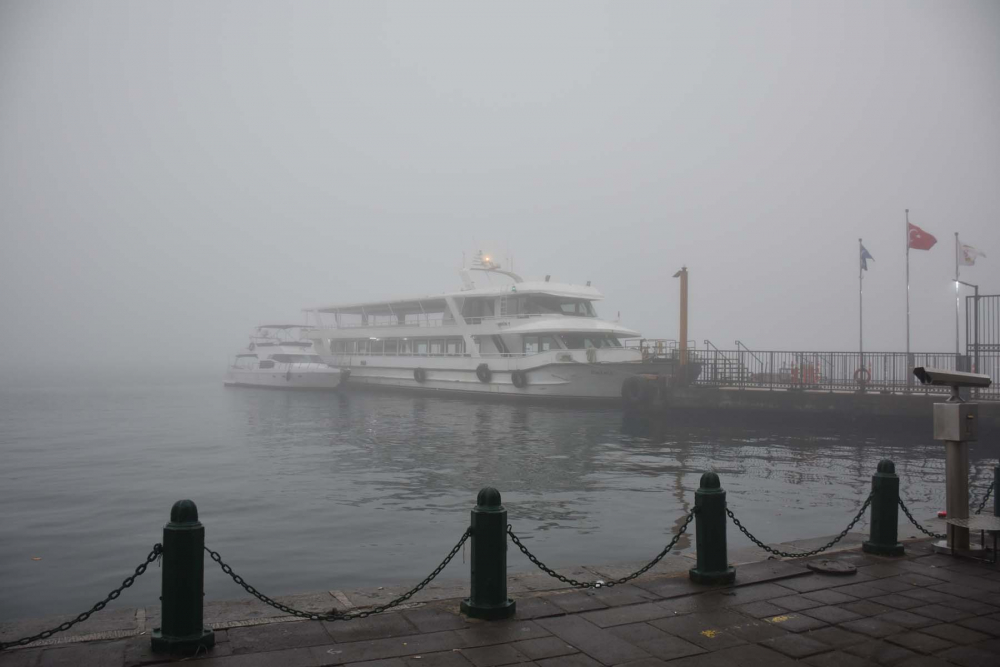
[{"x": 862, "y": 371}]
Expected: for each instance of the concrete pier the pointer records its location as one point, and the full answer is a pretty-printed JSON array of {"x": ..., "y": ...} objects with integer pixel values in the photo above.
[{"x": 920, "y": 609}]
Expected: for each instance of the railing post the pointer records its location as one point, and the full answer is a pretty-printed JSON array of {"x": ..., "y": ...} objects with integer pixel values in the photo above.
[
  {"x": 710, "y": 534},
  {"x": 884, "y": 538},
  {"x": 996, "y": 490},
  {"x": 183, "y": 629},
  {"x": 488, "y": 561}
]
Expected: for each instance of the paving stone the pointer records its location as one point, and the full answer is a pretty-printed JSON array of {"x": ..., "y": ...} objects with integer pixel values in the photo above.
[
  {"x": 394, "y": 647},
  {"x": 964, "y": 592},
  {"x": 922, "y": 661},
  {"x": 969, "y": 656},
  {"x": 812, "y": 582},
  {"x": 955, "y": 633},
  {"x": 832, "y": 615},
  {"x": 440, "y": 659},
  {"x": 575, "y": 601},
  {"x": 929, "y": 596},
  {"x": 544, "y": 647},
  {"x": 982, "y": 624},
  {"x": 796, "y": 603},
  {"x": 592, "y": 640},
  {"x": 770, "y": 570},
  {"x": 897, "y": 584},
  {"x": 656, "y": 642},
  {"x": 828, "y": 596},
  {"x": 941, "y": 613},
  {"x": 576, "y": 660},
  {"x": 537, "y": 607},
  {"x": 644, "y": 662},
  {"x": 671, "y": 587},
  {"x": 882, "y": 570},
  {"x": 760, "y": 609},
  {"x": 23, "y": 657},
  {"x": 388, "y": 662},
  {"x": 917, "y": 579},
  {"x": 754, "y": 593},
  {"x": 836, "y": 659},
  {"x": 432, "y": 619},
  {"x": 292, "y": 657},
  {"x": 972, "y": 606},
  {"x": 881, "y": 652},
  {"x": 695, "y": 603},
  {"x": 373, "y": 627},
  {"x": 796, "y": 646},
  {"x": 276, "y": 636},
  {"x": 711, "y": 631},
  {"x": 866, "y": 608},
  {"x": 873, "y": 627},
  {"x": 906, "y": 619},
  {"x": 796, "y": 622},
  {"x": 896, "y": 601},
  {"x": 919, "y": 642},
  {"x": 490, "y": 656},
  {"x": 744, "y": 656},
  {"x": 622, "y": 615},
  {"x": 623, "y": 594},
  {"x": 106, "y": 654},
  {"x": 836, "y": 637},
  {"x": 863, "y": 590},
  {"x": 499, "y": 632}
]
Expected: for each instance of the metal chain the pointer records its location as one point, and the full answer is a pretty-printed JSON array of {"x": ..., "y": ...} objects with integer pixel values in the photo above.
[
  {"x": 333, "y": 616},
  {"x": 599, "y": 583},
  {"x": 916, "y": 523},
  {"x": 113, "y": 595},
  {"x": 985, "y": 498},
  {"x": 788, "y": 554}
]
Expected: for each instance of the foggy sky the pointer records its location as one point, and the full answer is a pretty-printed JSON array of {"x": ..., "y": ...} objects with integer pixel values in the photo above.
[{"x": 173, "y": 173}]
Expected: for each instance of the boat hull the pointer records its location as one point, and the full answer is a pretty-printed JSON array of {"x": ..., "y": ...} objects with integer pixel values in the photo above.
[{"x": 284, "y": 379}]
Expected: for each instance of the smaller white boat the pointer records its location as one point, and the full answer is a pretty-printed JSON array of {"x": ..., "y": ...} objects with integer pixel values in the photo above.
[{"x": 278, "y": 358}]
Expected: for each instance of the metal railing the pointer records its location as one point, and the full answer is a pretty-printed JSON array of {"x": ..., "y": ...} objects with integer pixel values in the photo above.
[{"x": 888, "y": 372}]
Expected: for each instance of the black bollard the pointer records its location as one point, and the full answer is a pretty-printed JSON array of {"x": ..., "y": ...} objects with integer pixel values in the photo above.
[
  {"x": 710, "y": 534},
  {"x": 183, "y": 629},
  {"x": 996, "y": 490},
  {"x": 884, "y": 536},
  {"x": 488, "y": 590}
]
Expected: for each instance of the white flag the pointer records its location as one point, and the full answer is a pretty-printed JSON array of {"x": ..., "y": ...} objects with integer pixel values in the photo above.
[{"x": 968, "y": 254}]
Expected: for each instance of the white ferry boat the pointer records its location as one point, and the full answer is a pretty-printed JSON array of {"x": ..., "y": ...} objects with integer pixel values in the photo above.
[
  {"x": 276, "y": 358},
  {"x": 502, "y": 336}
]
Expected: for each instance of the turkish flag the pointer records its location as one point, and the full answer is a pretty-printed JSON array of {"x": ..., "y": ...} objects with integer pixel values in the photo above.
[{"x": 919, "y": 239}]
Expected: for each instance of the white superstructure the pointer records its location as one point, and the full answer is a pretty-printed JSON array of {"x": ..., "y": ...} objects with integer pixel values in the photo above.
[
  {"x": 500, "y": 335},
  {"x": 276, "y": 358}
]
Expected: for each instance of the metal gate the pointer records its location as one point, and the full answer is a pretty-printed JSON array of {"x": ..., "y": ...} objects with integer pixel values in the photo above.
[{"x": 982, "y": 339}]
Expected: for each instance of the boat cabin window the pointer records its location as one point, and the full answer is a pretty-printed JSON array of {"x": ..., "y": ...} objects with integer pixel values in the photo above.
[
  {"x": 297, "y": 358},
  {"x": 585, "y": 342},
  {"x": 391, "y": 346},
  {"x": 376, "y": 347},
  {"x": 546, "y": 304},
  {"x": 405, "y": 347},
  {"x": 536, "y": 344},
  {"x": 267, "y": 363},
  {"x": 420, "y": 347}
]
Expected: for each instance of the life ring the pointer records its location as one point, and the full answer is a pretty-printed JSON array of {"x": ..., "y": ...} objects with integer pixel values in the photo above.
[
  {"x": 483, "y": 372},
  {"x": 419, "y": 374},
  {"x": 862, "y": 371},
  {"x": 519, "y": 379}
]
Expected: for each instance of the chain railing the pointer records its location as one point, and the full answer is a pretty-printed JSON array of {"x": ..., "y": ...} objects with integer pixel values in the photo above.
[
  {"x": 916, "y": 523},
  {"x": 334, "y": 616},
  {"x": 113, "y": 595},
  {"x": 989, "y": 491},
  {"x": 600, "y": 583},
  {"x": 813, "y": 552}
]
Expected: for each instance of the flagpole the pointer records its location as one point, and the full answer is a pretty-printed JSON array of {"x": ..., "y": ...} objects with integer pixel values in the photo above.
[
  {"x": 861, "y": 316},
  {"x": 956, "y": 301},
  {"x": 909, "y": 369}
]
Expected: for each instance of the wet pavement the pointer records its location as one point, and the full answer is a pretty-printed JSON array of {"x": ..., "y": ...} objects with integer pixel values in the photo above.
[{"x": 923, "y": 609}]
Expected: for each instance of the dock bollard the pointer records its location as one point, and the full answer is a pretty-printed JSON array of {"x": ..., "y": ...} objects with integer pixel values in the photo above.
[
  {"x": 884, "y": 534},
  {"x": 710, "y": 534},
  {"x": 183, "y": 629},
  {"x": 488, "y": 590}
]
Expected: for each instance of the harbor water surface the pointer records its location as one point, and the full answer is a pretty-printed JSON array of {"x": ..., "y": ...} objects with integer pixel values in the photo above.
[{"x": 305, "y": 491}]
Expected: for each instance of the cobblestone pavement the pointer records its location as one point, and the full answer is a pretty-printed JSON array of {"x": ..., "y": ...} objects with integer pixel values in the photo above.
[{"x": 921, "y": 610}]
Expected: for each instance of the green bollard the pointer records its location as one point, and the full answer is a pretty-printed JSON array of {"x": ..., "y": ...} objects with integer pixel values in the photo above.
[
  {"x": 884, "y": 536},
  {"x": 183, "y": 629},
  {"x": 710, "y": 534},
  {"x": 488, "y": 590}
]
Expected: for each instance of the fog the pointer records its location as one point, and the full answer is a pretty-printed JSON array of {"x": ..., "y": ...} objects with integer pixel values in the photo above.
[{"x": 172, "y": 174}]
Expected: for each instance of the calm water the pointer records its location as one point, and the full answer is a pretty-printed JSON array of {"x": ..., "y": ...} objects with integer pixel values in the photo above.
[{"x": 307, "y": 491}]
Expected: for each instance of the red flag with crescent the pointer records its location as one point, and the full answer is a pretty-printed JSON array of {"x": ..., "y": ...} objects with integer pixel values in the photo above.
[{"x": 919, "y": 239}]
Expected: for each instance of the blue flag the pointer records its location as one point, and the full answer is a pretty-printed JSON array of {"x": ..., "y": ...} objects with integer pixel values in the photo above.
[{"x": 865, "y": 256}]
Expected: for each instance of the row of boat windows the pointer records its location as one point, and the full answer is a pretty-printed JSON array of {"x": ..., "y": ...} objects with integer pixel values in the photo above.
[{"x": 454, "y": 346}]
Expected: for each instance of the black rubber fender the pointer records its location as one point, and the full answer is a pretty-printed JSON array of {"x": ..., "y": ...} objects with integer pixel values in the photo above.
[
  {"x": 484, "y": 373},
  {"x": 419, "y": 374},
  {"x": 519, "y": 379}
]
